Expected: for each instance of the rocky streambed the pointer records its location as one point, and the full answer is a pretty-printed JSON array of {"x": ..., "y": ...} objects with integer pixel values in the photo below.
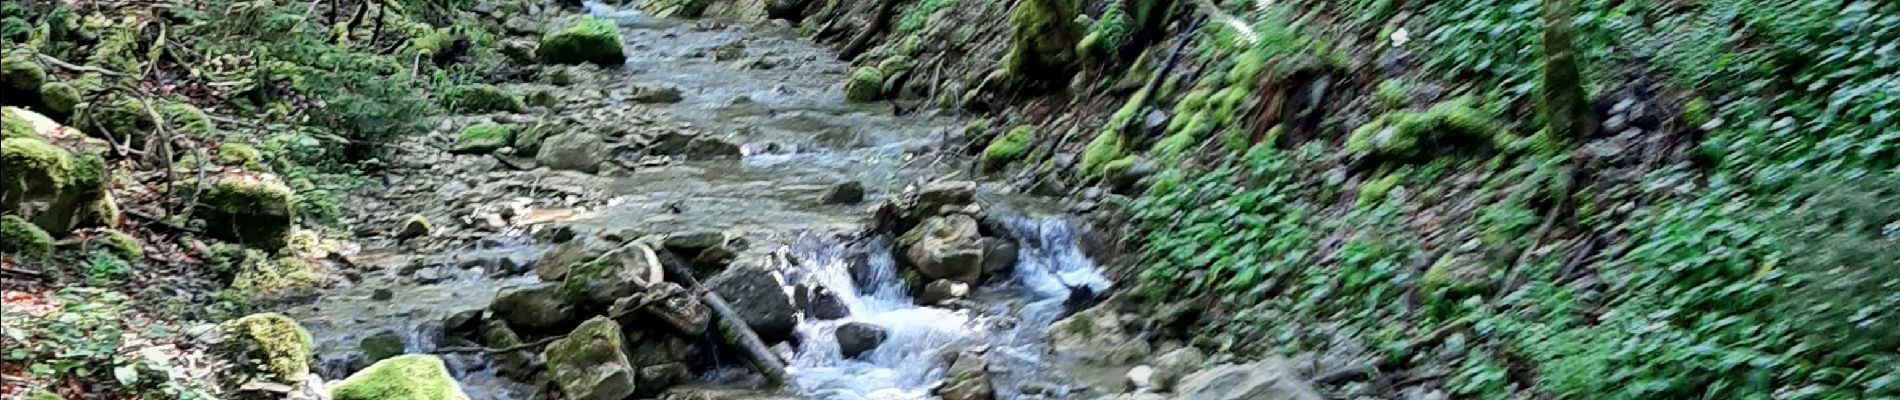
[{"x": 871, "y": 263}]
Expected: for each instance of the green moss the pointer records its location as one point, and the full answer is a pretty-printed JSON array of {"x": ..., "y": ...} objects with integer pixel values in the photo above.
[
  {"x": 15, "y": 125},
  {"x": 1043, "y": 40},
  {"x": 1247, "y": 68},
  {"x": 408, "y": 377},
  {"x": 1009, "y": 147},
  {"x": 188, "y": 119},
  {"x": 893, "y": 65},
  {"x": 25, "y": 239},
  {"x": 1120, "y": 166},
  {"x": 1168, "y": 148},
  {"x": 429, "y": 44},
  {"x": 59, "y": 97},
  {"x": 1393, "y": 94},
  {"x": 589, "y": 40},
  {"x": 542, "y": 98},
  {"x": 124, "y": 119},
  {"x": 1402, "y": 134},
  {"x": 100, "y": 212},
  {"x": 279, "y": 346},
  {"x": 481, "y": 98},
  {"x": 1107, "y": 36},
  {"x": 33, "y": 168},
  {"x": 241, "y": 156},
  {"x": 1697, "y": 112},
  {"x": 381, "y": 346},
  {"x": 1107, "y": 146},
  {"x": 867, "y": 84},
  {"x": 976, "y": 127},
  {"x": 583, "y": 283},
  {"x": 260, "y": 276},
  {"x": 120, "y": 244},
  {"x": 254, "y": 212},
  {"x": 1374, "y": 191},
  {"x": 484, "y": 138},
  {"x": 21, "y": 72}
]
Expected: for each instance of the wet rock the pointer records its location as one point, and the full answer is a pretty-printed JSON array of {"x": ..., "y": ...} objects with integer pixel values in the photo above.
[
  {"x": 578, "y": 151},
  {"x": 947, "y": 247},
  {"x": 937, "y": 195},
  {"x": 942, "y": 290},
  {"x": 819, "y": 302},
  {"x": 381, "y": 346},
  {"x": 414, "y": 227},
  {"x": 1273, "y": 378},
  {"x": 514, "y": 364},
  {"x": 712, "y": 260},
  {"x": 590, "y": 363},
  {"x": 410, "y": 377},
  {"x": 999, "y": 257},
  {"x": 657, "y": 378},
  {"x": 1140, "y": 378},
  {"x": 462, "y": 321},
  {"x": 690, "y": 244},
  {"x": 618, "y": 273},
  {"x": 758, "y": 299},
  {"x": 535, "y": 306},
  {"x": 381, "y": 294},
  {"x": 857, "y": 338},
  {"x": 555, "y": 263},
  {"x": 1169, "y": 368},
  {"x": 1096, "y": 335},
  {"x": 850, "y": 192},
  {"x": 656, "y": 348},
  {"x": 671, "y": 304},
  {"x": 967, "y": 379},
  {"x": 273, "y": 345},
  {"x": 693, "y": 146},
  {"x": 656, "y": 94}
]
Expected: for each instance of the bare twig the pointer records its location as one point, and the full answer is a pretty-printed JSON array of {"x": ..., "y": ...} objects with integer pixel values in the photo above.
[{"x": 49, "y": 60}]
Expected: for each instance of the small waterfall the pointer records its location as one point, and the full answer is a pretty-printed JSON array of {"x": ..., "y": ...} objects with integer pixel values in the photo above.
[{"x": 1010, "y": 319}]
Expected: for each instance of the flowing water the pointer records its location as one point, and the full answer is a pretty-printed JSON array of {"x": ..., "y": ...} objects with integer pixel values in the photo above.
[{"x": 790, "y": 118}]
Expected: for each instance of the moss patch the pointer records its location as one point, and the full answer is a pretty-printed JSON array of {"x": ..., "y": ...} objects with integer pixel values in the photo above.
[
  {"x": 483, "y": 138},
  {"x": 261, "y": 277},
  {"x": 254, "y": 212},
  {"x": 240, "y": 155},
  {"x": 1009, "y": 147},
  {"x": 25, "y": 239},
  {"x": 588, "y": 40},
  {"x": 279, "y": 346},
  {"x": 21, "y": 72},
  {"x": 1404, "y": 134},
  {"x": 481, "y": 99},
  {"x": 409, "y": 377},
  {"x": 120, "y": 244},
  {"x": 1043, "y": 40},
  {"x": 1107, "y": 146},
  {"x": 59, "y": 97},
  {"x": 867, "y": 84},
  {"x": 188, "y": 119}
]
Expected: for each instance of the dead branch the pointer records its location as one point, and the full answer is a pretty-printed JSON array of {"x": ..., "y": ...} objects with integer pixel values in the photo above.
[
  {"x": 878, "y": 21},
  {"x": 49, "y": 60}
]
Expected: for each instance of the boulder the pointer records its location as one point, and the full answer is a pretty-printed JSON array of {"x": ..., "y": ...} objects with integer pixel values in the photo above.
[
  {"x": 619, "y": 273},
  {"x": 857, "y": 338},
  {"x": 649, "y": 348},
  {"x": 24, "y": 239},
  {"x": 410, "y": 377},
  {"x": 381, "y": 346},
  {"x": 942, "y": 290},
  {"x": 1095, "y": 336},
  {"x": 1270, "y": 379},
  {"x": 583, "y": 40},
  {"x": 947, "y": 247},
  {"x": 936, "y": 196},
  {"x": 754, "y": 293},
  {"x": 967, "y": 379},
  {"x": 253, "y": 210},
  {"x": 514, "y": 364},
  {"x": 555, "y": 263},
  {"x": 536, "y": 306},
  {"x": 591, "y": 362},
  {"x": 866, "y": 84},
  {"x": 271, "y": 344},
  {"x": 483, "y": 139},
  {"x": 414, "y": 227},
  {"x": 43, "y": 183},
  {"x": 819, "y": 302},
  {"x": 1141, "y": 378},
  {"x": 849, "y": 192},
  {"x": 668, "y": 302},
  {"x": 1169, "y": 368},
  {"x": 578, "y": 151},
  {"x": 690, "y": 244},
  {"x": 21, "y": 73},
  {"x": 999, "y": 256}
]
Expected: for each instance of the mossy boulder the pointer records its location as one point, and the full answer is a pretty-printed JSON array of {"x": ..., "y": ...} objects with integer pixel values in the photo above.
[
  {"x": 1043, "y": 40},
  {"x": 21, "y": 72},
  {"x": 59, "y": 97},
  {"x": 188, "y": 119},
  {"x": 272, "y": 345},
  {"x": 483, "y": 138},
  {"x": 591, "y": 362},
  {"x": 618, "y": 273},
  {"x": 49, "y": 186},
  {"x": 119, "y": 244},
  {"x": 24, "y": 239},
  {"x": 866, "y": 84},
  {"x": 409, "y": 377},
  {"x": 481, "y": 98},
  {"x": 239, "y": 155},
  {"x": 251, "y": 210},
  {"x": 261, "y": 276},
  {"x": 15, "y": 125},
  {"x": 1009, "y": 147},
  {"x": 585, "y": 40},
  {"x": 1106, "y": 147},
  {"x": 1401, "y": 135},
  {"x": 414, "y": 227}
]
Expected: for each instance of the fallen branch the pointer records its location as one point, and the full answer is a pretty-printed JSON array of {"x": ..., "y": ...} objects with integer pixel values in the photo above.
[{"x": 80, "y": 68}]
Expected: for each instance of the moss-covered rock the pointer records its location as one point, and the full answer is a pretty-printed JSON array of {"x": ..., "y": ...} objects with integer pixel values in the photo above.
[
  {"x": 414, "y": 227},
  {"x": 1393, "y": 94},
  {"x": 239, "y": 155},
  {"x": 586, "y": 40},
  {"x": 1403, "y": 134},
  {"x": 188, "y": 119},
  {"x": 867, "y": 84},
  {"x": 893, "y": 65},
  {"x": 120, "y": 244},
  {"x": 429, "y": 44},
  {"x": 24, "y": 239},
  {"x": 483, "y": 138},
  {"x": 409, "y": 377},
  {"x": 381, "y": 346},
  {"x": 591, "y": 362},
  {"x": 1043, "y": 40},
  {"x": 1009, "y": 147},
  {"x": 271, "y": 344},
  {"x": 21, "y": 72},
  {"x": 15, "y": 125},
  {"x": 59, "y": 97},
  {"x": 102, "y": 211},
  {"x": 1107, "y": 36},
  {"x": 250, "y": 210},
  {"x": 1107, "y": 146},
  {"x": 481, "y": 98},
  {"x": 261, "y": 276}
]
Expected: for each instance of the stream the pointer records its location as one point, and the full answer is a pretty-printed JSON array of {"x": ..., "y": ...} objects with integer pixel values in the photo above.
[{"x": 782, "y": 101}]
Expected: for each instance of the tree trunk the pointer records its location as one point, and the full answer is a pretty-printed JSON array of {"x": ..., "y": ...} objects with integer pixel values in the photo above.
[{"x": 1562, "y": 102}]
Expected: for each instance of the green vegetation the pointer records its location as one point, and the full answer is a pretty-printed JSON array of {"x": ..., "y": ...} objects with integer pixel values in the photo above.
[
  {"x": 240, "y": 155},
  {"x": 1009, "y": 147},
  {"x": 867, "y": 84},
  {"x": 484, "y": 138},
  {"x": 276, "y": 345},
  {"x": 1044, "y": 37},
  {"x": 587, "y": 40},
  {"x": 25, "y": 239},
  {"x": 92, "y": 338},
  {"x": 481, "y": 99},
  {"x": 409, "y": 377},
  {"x": 254, "y": 212}
]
